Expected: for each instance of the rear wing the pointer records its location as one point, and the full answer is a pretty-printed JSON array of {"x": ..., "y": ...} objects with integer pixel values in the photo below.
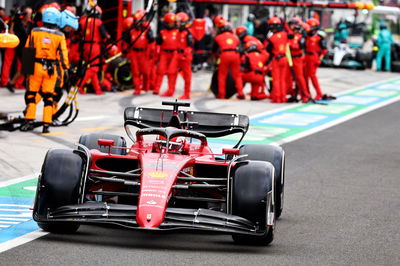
[{"x": 207, "y": 123}]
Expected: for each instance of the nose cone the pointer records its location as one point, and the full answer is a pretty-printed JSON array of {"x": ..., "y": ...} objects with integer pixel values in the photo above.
[
  {"x": 150, "y": 217},
  {"x": 156, "y": 186}
]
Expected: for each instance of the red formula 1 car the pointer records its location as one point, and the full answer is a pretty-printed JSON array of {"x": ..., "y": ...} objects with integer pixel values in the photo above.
[{"x": 172, "y": 182}]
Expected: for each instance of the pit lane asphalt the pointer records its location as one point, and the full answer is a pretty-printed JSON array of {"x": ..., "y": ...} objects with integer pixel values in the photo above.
[{"x": 342, "y": 205}]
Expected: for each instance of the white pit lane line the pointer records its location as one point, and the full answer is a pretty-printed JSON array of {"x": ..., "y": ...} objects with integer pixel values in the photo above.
[{"x": 39, "y": 233}]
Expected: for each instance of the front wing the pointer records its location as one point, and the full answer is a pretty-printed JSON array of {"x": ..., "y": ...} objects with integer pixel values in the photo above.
[{"x": 175, "y": 218}]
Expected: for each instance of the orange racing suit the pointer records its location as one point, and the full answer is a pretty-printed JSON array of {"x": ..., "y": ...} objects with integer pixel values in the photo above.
[{"x": 49, "y": 44}]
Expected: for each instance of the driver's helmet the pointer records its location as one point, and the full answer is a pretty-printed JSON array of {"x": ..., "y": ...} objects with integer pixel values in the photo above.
[{"x": 175, "y": 144}]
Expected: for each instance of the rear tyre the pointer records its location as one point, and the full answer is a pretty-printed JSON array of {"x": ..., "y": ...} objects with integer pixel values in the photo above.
[
  {"x": 276, "y": 156},
  {"x": 58, "y": 185},
  {"x": 90, "y": 141},
  {"x": 252, "y": 193}
]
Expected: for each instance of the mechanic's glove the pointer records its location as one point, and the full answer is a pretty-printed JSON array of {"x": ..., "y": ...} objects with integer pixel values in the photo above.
[{"x": 290, "y": 36}]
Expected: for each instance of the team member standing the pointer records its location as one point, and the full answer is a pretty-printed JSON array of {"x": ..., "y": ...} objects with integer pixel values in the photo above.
[
  {"x": 49, "y": 44},
  {"x": 168, "y": 63},
  {"x": 185, "y": 57},
  {"x": 139, "y": 53},
  {"x": 276, "y": 46},
  {"x": 227, "y": 44},
  {"x": 384, "y": 42},
  {"x": 296, "y": 44},
  {"x": 315, "y": 51},
  {"x": 94, "y": 34}
]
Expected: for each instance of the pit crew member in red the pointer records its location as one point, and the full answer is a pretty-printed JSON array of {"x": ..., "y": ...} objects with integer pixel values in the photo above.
[
  {"x": 94, "y": 33},
  {"x": 296, "y": 44},
  {"x": 276, "y": 46},
  {"x": 315, "y": 51},
  {"x": 168, "y": 63},
  {"x": 227, "y": 44},
  {"x": 185, "y": 57},
  {"x": 138, "y": 55},
  {"x": 253, "y": 70},
  {"x": 244, "y": 37}
]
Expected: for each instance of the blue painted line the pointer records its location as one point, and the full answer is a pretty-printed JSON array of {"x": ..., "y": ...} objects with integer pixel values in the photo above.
[{"x": 15, "y": 220}]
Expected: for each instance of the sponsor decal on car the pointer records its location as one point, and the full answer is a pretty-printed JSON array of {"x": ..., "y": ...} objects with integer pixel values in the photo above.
[{"x": 158, "y": 174}]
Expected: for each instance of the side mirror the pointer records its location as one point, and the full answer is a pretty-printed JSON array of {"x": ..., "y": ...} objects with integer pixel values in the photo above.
[
  {"x": 106, "y": 143},
  {"x": 8, "y": 40},
  {"x": 227, "y": 151}
]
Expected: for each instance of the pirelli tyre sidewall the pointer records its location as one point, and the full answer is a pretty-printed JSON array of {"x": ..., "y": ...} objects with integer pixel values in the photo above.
[
  {"x": 58, "y": 185},
  {"x": 252, "y": 192},
  {"x": 276, "y": 156},
  {"x": 90, "y": 140},
  {"x": 121, "y": 72}
]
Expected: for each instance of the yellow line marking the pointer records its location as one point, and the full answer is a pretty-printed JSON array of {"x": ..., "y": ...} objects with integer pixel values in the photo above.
[
  {"x": 61, "y": 133},
  {"x": 95, "y": 129},
  {"x": 195, "y": 94}
]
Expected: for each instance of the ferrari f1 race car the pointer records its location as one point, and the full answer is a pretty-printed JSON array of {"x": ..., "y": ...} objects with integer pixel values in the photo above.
[{"x": 169, "y": 179}]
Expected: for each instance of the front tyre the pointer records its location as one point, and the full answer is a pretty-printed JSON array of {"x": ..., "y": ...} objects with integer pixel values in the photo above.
[
  {"x": 276, "y": 156},
  {"x": 252, "y": 198},
  {"x": 58, "y": 185}
]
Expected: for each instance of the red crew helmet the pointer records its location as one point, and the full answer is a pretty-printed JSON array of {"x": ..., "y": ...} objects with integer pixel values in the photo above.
[
  {"x": 313, "y": 22},
  {"x": 139, "y": 14},
  {"x": 219, "y": 21},
  {"x": 113, "y": 50},
  {"x": 127, "y": 23},
  {"x": 170, "y": 18},
  {"x": 251, "y": 46},
  {"x": 274, "y": 20},
  {"x": 182, "y": 16},
  {"x": 241, "y": 31}
]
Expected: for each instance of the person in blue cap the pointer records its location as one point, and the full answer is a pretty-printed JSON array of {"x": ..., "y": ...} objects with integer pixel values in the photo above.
[
  {"x": 50, "y": 48},
  {"x": 384, "y": 42}
]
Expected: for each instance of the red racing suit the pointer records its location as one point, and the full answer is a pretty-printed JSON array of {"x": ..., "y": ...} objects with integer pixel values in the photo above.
[
  {"x": 260, "y": 46},
  {"x": 139, "y": 58},
  {"x": 296, "y": 44},
  {"x": 276, "y": 46},
  {"x": 93, "y": 35},
  {"x": 168, "y": 63},
  {"x": 185, "y": 57},
  {"x": 228, "y": 43},
  {"x": 253, "y": 63},
  {"x": 315, "y": 48}
]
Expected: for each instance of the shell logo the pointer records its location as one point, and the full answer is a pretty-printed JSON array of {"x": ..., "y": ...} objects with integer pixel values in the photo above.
[
  {"x": 174, "y": 33},
  {"x": 260, "y": 64},
  {"x": 158, "y": 174},
  {"x": 278, "y": 35},
  {"x": 229, "y": 41},
  {"x": 281, "y": 47}
]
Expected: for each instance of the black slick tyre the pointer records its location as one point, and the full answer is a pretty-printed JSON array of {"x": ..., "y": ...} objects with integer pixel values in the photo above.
[
  {"x": 276, "y": 156},
  {"x": 58, "y": 185},
  {"x": 252, "y": 192}
]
